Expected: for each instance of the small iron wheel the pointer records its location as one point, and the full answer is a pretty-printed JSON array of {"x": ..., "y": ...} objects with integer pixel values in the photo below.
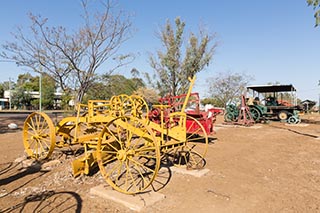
[
  {"x": 120, "y": 105},
  {"x": 192, "y": 153},
  {"x": 140, "y": 109}
]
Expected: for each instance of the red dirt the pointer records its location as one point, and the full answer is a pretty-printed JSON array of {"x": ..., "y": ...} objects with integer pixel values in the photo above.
[{"x": 265, "y": 168}]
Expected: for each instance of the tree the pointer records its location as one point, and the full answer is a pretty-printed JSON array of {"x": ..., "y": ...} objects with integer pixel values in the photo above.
[
  {"x": 109, "y": 86},
  {"x": 315, "y": 4},
  {"x": 213, "y": 101},
  {"x": 72, "y": 58},
  {"x": 118, "y": 84},
  {"x": 3, "y": 87},
  {"x": 26, "y": 84},
  {"x": 20, "y": 98},
  {"x": 21, "y": 95},
  {"x": 227, "y": 86},
  {"x": 171, "y": 69},
  {"x": 149, "y": 95},
  {"x": 2, "y": 90},
  {"x": 48, "y": 89}
]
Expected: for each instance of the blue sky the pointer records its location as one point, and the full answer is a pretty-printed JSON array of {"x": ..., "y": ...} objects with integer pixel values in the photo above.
[{"x": 273, "y": 41}]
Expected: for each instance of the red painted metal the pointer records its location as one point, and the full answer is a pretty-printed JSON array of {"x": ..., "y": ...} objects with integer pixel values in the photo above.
[
  {"x": 245, "y": 117},
  {"x": 207, "y": 117}
]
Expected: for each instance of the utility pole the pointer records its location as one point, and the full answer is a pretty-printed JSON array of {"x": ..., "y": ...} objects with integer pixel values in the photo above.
[
  {"x": 319, "y": 98},
  {"x": 9, "y": 93},
  {"x": 40, "y": 93}
]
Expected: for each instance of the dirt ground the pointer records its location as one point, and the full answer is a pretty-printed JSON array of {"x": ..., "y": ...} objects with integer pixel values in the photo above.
[{"x": 265, "y": 168}]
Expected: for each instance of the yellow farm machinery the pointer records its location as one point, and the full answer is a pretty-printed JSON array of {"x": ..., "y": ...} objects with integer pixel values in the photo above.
[{"x": 123, "y": 139}]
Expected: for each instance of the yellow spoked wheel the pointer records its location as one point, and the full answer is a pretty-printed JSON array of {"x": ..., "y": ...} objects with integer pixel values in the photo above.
[
  {"x": 128, "y": 155},
  {"x": 38, "y": 136},
  {"x": 140, "y": 109},
  {"x": 192, "y": 153},
  {"x": 120, "y": 105}
]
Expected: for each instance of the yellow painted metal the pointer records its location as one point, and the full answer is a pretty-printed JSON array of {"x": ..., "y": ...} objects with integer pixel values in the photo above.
[
  {"x": 140, "y": 107},
  {"x": 120, "y": 105},
  {"x": 38, "y": 136},
  {"x": 194, "y": 149},
  {"x": 97, "y": 108},
  {"x": 192, "y": 80},
  {"x": 117, "y": 136},
  {"x": 135, "y": 155},
  {"x": 84, "y": 164}
]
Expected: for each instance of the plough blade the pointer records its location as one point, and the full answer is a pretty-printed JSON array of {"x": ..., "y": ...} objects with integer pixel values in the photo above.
[{"x": 84, "y": 164}]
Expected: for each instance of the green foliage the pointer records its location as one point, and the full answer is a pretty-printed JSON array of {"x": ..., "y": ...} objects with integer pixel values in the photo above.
[
  {"x": 227, "y": 87},
  {"x": 48, "y": 89},
  {"x": 26, "y": 84},
  {"x": 65, "y": 98},
  {"x": 103, "y": 89},
  {"x": 172, "y": 70},
  {"x": 98, "y": 91},
  {"x": 6, "y": 86},
  {"x": 2, "y": 89},
  {"x": 315, "y": 4},
  {"x": 109, "y": 86},
  {"x": 21, "y": 99},
  {"x": 213, "y": 101}
]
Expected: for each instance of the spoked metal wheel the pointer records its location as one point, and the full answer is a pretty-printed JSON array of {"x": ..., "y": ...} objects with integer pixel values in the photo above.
[
  {"x": 120, "y": 105},
  {"x": 229, "y": 116},
  {"x": 255, "y": 113},
  {"x": 128, "y": 155},
  {"x": 192, "y": 153},
  {"x": 38, "y": 136},
  {"x": 141, "y": 109}
]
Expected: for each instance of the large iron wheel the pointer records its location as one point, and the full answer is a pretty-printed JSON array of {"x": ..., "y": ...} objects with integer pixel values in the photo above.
[
  {"x": 38, "y": 136},
  {"x": 128, "y": 155},
  {"x": 192, "y": 153}
]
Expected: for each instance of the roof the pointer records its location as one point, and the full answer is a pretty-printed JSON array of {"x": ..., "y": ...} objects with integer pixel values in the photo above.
[
  {"x": 272, "y": 88},
  {"x": 308, "y": 101}
]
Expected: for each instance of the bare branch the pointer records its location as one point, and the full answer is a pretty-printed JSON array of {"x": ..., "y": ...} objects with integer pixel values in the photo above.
[{"x": 73, "y": 58}]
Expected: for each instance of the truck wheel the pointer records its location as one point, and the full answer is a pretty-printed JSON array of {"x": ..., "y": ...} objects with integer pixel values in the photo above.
[{"x": 283, "y": 115}]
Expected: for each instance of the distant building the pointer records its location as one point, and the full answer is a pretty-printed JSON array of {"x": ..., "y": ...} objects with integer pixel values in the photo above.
[
  {"x": 5, "y": 101},
  {"x": 308, "y": 105}
]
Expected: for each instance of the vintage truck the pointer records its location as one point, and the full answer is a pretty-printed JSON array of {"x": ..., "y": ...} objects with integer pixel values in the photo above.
[{"x": 273, "y": 102}]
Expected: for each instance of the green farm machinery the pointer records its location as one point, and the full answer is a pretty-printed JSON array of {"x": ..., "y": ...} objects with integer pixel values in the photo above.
[{"x": 276, "y": 102}]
